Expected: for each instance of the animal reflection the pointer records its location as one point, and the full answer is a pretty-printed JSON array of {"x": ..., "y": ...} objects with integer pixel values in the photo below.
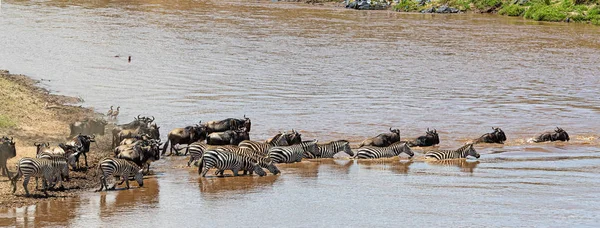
[
  {"x": 399, "y": 166},
  {"x": 216, "y": 186},
  {"x": 111, "y": 203},
  {"x": 463, "y": 164}
]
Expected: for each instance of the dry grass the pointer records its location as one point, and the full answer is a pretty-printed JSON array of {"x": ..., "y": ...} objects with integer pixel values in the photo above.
[{"x": 30, "y": 114}]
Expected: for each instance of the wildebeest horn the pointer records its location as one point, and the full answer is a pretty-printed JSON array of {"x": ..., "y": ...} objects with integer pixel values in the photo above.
[
  {"x": 139, "y": 116},
  {"x": 47, "y": 144},
  {"x": 36, "y": 144},
  {"x": 93, "y": 137},
  {"x": 245, "y": 116},
  {"x": 152, "y": 119},
  {"x": 427, "y": 129},
  {"x": 390, "y": 128}
]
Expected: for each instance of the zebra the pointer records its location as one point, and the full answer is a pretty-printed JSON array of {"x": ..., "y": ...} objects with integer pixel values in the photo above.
[
  {"x": 262, "y": 161},
  {"x": 224, "y": 160},
  {"x": 71, "y": 159},
  {"x": 462, "y": 152},
  {"x": 119, "y": 167},
  {"x": 258, "y": 147},
  {"x": 327, "y": 150},
  {"x": 294, "y": 153},
  {"x": 196, "y": 151},
  {"x": 61, "y": 163},
  {"x": 371, "y": 152},
  {"x": 38, "y": 167}
]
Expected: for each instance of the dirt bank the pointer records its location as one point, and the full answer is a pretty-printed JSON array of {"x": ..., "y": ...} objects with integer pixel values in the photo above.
[{"x": 30, "y": 114}]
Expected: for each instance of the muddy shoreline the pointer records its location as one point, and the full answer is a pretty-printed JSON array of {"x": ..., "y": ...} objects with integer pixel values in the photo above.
[{"x": 38, "y": 116}]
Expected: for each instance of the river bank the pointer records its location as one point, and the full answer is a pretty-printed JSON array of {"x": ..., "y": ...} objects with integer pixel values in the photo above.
[
  {"x": 583, "y": 11},
  {"x": 29, "y": 113}
]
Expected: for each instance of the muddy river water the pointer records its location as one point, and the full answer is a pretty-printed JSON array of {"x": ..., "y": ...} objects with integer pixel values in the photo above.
[{"x": 330, "y": 73}]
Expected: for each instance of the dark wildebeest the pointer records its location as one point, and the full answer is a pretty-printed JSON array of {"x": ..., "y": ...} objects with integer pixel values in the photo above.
[
  {"x": 558, "y": 135},
  {"x": 88, "y": 127},
  {"x": 280, "y": 139},
  {"x": 429, "y": 139},
  {"x": 7, "y": 151},
  {"x": 228, "y": 124},
  {"x": 187, "y": 135},
  {"x": 497, "y": 136},
  {"x": 82, "y": 143},
  {"x": 228, "y": 137},
  {"x": 293, "y": 137},
  {"x": 142, "y": 152},
  {"x": 143, "y": 123},
  {"x": 383, "y": 139}
]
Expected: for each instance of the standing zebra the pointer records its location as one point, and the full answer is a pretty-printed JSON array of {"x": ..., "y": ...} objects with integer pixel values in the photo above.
[
  {"x": 462, "y": 152},
  {"x": 327, "y": 150},
  {"x": 294, "y": 153},
  {"x": 37, "y": 167},
  {"x": 371, "y": 152},
  {"x": 109, "y": 167},
  {"x": 260, "y": 147},
  {"x": 225, "y": 160},
  {"x": 262, "y": 161},
  {"x": 196, "y": 151},
  {"x": 60, "y": 162}
]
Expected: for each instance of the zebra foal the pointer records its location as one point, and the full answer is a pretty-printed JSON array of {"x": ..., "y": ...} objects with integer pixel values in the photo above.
[
  {"x": 372, "y": 152},
  {"x": 47, "y": 169},
  {"x": 462, "y": 152},
  {"x": 110, "y": 167}
]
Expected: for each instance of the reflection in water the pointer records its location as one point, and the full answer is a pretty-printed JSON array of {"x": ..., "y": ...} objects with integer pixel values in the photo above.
[
  {"x": 341, "y": 166},
  {"x": 396, "y": 165},
  {"x": 465, "y": 165},
  {"x": 225, "y": 187},
  {"x": 113, "y": 202}
]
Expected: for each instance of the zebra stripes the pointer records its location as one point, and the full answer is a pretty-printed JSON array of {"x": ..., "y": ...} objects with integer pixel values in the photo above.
[
  {"x": 71, "y": 159},
  {"x": 327, "y": 150},
  {"x": 262, "y": 161},
  {"x": 462, "y": 152},
  {"x": 258, "y": 147},
  {"x": 109, "y": 167},
  {"x": 196, "y": 151},
  {"x": 47, "y": 169},
  {"x": 294, "y": 153},
  {"x": 225, "y": 160},
  {"x": 372, "y": 152}
]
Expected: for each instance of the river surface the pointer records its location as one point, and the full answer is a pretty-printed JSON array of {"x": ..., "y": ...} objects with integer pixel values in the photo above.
[{"x": 330, "y": 73}]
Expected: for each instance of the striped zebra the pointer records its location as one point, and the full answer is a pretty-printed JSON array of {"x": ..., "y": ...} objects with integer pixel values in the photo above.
[
  {"x": 196, "y": 151},
  {"x": 462, "y": 152},
  {"x": 47, "y": 169},
  {"x": 61, "y": 163},
  {"x": 259, "y": 147},
  {"x": 372, "y": 152},
  {"x": 111, "y": 167},
  {"x": 294, "y": 153},
  {"x": 327, "y": 150},
  {"x": 262, "y": 161},
  {"x": 224, "y": 160},
  {"x": 71, "y": 159}
]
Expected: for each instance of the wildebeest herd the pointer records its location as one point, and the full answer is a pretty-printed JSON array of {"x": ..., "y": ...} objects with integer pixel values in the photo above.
[{"x": 221, "y": 145}]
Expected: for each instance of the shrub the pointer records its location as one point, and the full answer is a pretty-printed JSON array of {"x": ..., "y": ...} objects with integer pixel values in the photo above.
[
  {"x": 512, "y": 10},
  {"x": 406, "y": 6},
  {"x": 542, "y": 12},
  {"x": 486, "y": 4},
  {"x": 6, "y": 122}
]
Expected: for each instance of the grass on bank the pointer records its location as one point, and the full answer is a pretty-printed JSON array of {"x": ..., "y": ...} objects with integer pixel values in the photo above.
[{"x": 539, "y": 10}]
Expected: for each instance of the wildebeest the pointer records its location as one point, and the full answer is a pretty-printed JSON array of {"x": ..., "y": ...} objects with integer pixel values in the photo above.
[
  {"x": 429, "y": 139},
  {"x": 142, "y": 124},
  {"x": 142, "y": 152},
  {"x": 82, "y": 143},
  {"x": 228, "y": 137},
  {"x": 228, "y": 124},
  {"x": 7, "y": 151},
  {"x": 497, "y": 136},
  {"x": 185, "y": 135},
  {"x": 46, "y": 148},
  {"x": 383, "y": 139},
  {"x": 558, "y": 135},
  {"x": 88, "y": 127}
]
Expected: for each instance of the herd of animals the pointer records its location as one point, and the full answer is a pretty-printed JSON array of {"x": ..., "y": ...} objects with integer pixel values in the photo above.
[{"x": 221, "y": 145}]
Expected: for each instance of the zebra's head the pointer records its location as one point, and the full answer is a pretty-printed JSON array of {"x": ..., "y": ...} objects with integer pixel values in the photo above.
[
  {"x": 271, "y": 166},
  {"x": 347, "y": 149},
  {"x": 471, "y": 151},
  {"x": 406, "y": 149},
  {"x": 258, "y": 170},
  {"x": 139, "y": 177}
]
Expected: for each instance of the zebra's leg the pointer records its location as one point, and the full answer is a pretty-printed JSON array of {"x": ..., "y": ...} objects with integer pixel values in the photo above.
[
  {"x": 37, "y": 187},
  {"x": 102, "y": 182},
  {"x": 187, "y": 150},
  {"x": 45, "y": 186},
  {"x": 148, "y": 168},
  {"x": 235, "y": 172},
  {"x": 127, "y": 182},
  {"x": 190, "y": 161},
  {"x": 25, "y": 181},
  {"x": 204, "y": 171}
]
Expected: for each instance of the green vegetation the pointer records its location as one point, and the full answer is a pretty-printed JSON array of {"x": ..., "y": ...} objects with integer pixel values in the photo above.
[
  {"x": 584, "y": 11},
  {"x": 6, "y": 122}
]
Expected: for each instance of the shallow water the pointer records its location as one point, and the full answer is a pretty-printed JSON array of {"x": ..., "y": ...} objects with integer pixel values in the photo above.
[{"x": 331, "y": 73}]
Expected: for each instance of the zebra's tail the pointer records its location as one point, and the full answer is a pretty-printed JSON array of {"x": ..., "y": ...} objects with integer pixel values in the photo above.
[{"x": 200, "y": 163}]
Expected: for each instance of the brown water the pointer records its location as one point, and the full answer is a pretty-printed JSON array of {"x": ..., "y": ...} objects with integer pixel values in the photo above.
[{"x": 331, "y": 73}]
